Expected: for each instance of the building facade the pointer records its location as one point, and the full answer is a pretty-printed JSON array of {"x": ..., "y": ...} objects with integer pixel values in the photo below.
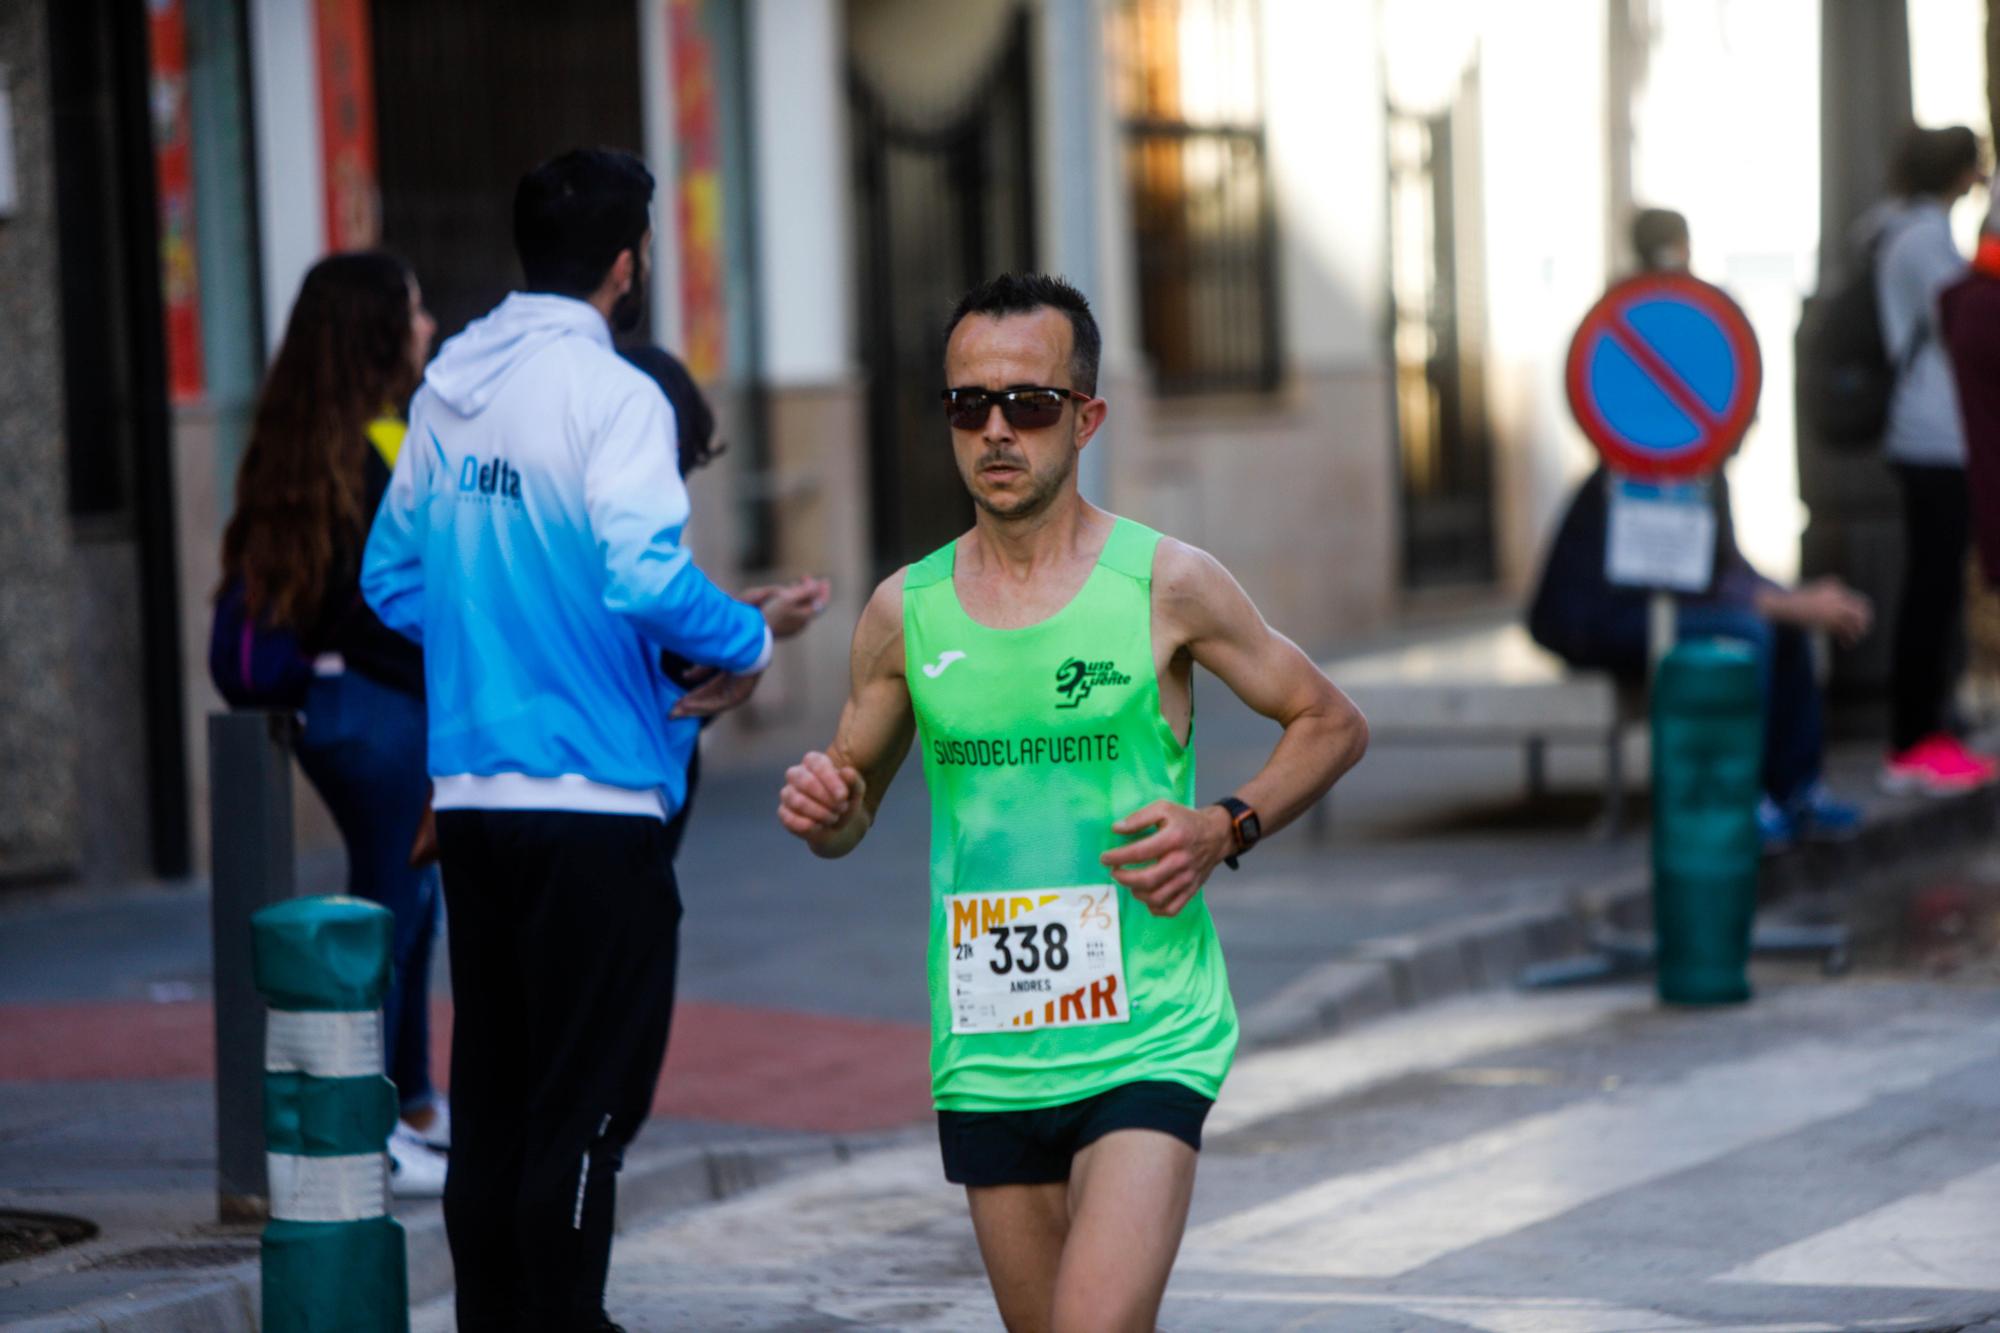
[{"x": 1336, "y": 247}]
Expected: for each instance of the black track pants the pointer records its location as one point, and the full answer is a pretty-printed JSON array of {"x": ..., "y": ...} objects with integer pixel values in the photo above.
[
  {"x": 1930, "y": 622},
  {"x": 563, "y": 931}
]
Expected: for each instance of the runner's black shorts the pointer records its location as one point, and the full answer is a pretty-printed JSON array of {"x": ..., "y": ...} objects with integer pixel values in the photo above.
[{"x": 1036, "y": 1147}]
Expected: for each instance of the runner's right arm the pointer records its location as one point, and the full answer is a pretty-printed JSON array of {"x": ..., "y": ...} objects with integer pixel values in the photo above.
[{"x": 830, "y": 797}]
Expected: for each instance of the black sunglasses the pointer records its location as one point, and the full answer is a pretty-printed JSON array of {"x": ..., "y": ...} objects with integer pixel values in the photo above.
[{"x": 1026, "y": 406}]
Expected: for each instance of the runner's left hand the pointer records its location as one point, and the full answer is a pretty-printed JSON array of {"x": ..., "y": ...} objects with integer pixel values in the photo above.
[{"x": 1184, "y": 847}]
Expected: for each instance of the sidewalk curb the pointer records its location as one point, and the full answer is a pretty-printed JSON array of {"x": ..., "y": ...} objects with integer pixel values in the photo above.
[
  {"x": 228, "y": 1300},
  {"x": 1396, "y": 973},
  {"x": 225, "y": 1301},
  {"x": 1907, "y": 832},
  {"x": 651, "y": 1183}
]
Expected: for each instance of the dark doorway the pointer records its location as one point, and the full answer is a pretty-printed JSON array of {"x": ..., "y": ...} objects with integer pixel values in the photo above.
[
  {"x": 1438, "y": 313},
  {"x": 469, "y": 94},
  {"x": 938, "y": 209},
  {"x": 116, "y": 418}
]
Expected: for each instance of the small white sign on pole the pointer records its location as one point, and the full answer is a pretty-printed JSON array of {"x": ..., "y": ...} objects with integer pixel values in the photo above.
[{"x": 1662, "y": 535}]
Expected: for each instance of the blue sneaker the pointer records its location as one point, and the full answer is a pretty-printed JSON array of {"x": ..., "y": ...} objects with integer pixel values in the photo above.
[
  {"x": 1774, "y": 826},
  {"x": 1818, "y": 815}
]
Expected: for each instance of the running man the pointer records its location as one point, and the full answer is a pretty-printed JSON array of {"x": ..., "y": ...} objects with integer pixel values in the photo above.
[{"x": 1080, "y": 1014}]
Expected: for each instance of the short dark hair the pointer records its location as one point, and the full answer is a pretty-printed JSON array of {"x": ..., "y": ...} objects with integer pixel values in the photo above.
[
  {"x": 1931, "y": 161},
  {"x": 575, "y": 213},
  {"x": 1653, "y": 230},
  {"x": 1025, "y": 293}
]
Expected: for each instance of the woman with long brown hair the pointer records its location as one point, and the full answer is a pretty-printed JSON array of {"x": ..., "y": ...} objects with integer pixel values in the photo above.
[{"x": 325, "y": 437}]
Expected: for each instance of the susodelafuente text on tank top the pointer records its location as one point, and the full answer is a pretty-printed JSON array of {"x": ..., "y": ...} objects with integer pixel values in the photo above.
[{"x": 1096, "y": 748}]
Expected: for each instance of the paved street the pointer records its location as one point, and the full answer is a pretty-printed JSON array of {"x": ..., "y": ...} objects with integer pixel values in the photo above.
[{"x": 1578, "y": 1162}]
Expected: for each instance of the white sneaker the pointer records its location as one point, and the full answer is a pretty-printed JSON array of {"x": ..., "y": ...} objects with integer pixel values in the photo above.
[
  {"x": 416, "y": 1170},
  {"x": 437, "y": 1134}
]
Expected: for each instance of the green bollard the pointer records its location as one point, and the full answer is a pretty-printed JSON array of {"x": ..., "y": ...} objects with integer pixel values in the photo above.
[
  {"x": 1708, "y": 748},
  {"x": 334, "y": 1261}
]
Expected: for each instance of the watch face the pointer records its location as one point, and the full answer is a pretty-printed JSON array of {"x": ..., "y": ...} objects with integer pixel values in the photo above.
[{"x": 1249, "y": 829}]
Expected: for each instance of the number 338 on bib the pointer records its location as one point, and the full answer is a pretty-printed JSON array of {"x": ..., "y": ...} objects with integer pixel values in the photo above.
[{"x": 1034, "y": 958}]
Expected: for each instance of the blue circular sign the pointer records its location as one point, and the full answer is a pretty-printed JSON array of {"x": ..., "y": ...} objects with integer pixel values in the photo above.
[{"x": 1663, "y": 376}]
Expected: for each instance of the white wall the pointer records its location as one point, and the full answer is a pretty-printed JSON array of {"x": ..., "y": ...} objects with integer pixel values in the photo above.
[
  {"x": 291, "y": 199},
  {"x": 1325, "y": 134},
  {"x": 1542, "y": 102},
  {"x": 1948, "y": 84},
  {"x": 1082, "y": 233},
  {"x": 805, "y": 263},
  {"x": 1720, "y": 72}
]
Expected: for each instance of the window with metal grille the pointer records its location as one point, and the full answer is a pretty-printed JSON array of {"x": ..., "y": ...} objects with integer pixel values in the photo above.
[{"x": 1187, "y": 94}]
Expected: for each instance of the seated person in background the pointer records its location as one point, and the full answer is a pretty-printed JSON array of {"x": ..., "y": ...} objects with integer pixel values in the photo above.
[{"x": 1582, "y": 617}]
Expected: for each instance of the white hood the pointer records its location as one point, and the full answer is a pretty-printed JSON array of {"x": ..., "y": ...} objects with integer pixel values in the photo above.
[{"x": 473, "y": 365}]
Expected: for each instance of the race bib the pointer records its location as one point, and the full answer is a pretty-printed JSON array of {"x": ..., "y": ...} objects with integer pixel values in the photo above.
[{"x": 1034, "y": 958}]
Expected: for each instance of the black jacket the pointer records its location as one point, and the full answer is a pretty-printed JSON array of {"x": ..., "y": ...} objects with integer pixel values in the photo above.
[
  {"x": 346, "y": 625},
  {"x": 1582, "y": 617}
]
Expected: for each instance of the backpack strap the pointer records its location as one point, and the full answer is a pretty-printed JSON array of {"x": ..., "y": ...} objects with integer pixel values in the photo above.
[{"x": 1890, "y": 229}]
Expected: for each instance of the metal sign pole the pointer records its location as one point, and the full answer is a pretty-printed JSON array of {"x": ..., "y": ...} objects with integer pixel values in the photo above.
[{"x": 1661, "y": 629}]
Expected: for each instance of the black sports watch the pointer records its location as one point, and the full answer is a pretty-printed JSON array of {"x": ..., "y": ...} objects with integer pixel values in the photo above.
[{"x": 1247, "y": 826}]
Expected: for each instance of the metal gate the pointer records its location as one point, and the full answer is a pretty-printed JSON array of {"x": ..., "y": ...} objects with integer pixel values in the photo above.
[
  {"x": 470, "y": 94},
  {"x": 938, "y": 209},
  {"x": 1436, "y": 288}
]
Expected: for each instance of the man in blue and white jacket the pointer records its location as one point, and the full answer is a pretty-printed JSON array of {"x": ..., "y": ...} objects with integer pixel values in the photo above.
[{"x": 530, "y": 540}]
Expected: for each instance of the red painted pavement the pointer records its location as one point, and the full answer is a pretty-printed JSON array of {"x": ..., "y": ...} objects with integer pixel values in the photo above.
[{"x": 733, "y": 1063}]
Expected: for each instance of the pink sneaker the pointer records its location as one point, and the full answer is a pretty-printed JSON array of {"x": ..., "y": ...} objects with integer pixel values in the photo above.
[
  {"x": 1937, "y": 765},
  {"x": 1985, "y": 763}
]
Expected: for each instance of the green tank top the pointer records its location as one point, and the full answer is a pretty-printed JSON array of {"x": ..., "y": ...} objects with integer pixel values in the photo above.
[{"x": 1034, "y": 742}]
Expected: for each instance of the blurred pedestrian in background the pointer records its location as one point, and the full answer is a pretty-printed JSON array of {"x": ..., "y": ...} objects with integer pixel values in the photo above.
[
  {"x": 1660, "y": 239},
  {"x": 1969, "y": 320},
  {"x": 328, "y": 428},
  {"x": 696, "y": 448},
  {"x": 1582, "y": 617},
  {"x": 1925, "y": 443}
]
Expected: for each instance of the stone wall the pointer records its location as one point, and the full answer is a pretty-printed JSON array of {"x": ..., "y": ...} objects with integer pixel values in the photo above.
[
  {"x": 39, "y": 822},
  {"x": 1295, "y": 493}
]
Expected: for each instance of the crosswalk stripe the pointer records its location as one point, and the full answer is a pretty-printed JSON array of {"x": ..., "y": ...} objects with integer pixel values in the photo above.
[
  {"x": 1492, "y": 1314},
  {"x": 1551, "y": 1316},
  {"x": 1272, "y": 1083},
  {"x": 914, "y": 1307},
  {"x": 1391, "y": 1220},
  {"x": 1946, "y": 1238}
]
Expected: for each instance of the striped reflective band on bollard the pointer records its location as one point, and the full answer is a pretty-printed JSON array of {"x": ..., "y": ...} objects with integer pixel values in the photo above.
[{"x": 333, "y": 1258}]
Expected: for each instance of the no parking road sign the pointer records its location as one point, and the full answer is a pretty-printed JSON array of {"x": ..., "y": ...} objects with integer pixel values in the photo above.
[{"x": 1663, "y": 376}]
